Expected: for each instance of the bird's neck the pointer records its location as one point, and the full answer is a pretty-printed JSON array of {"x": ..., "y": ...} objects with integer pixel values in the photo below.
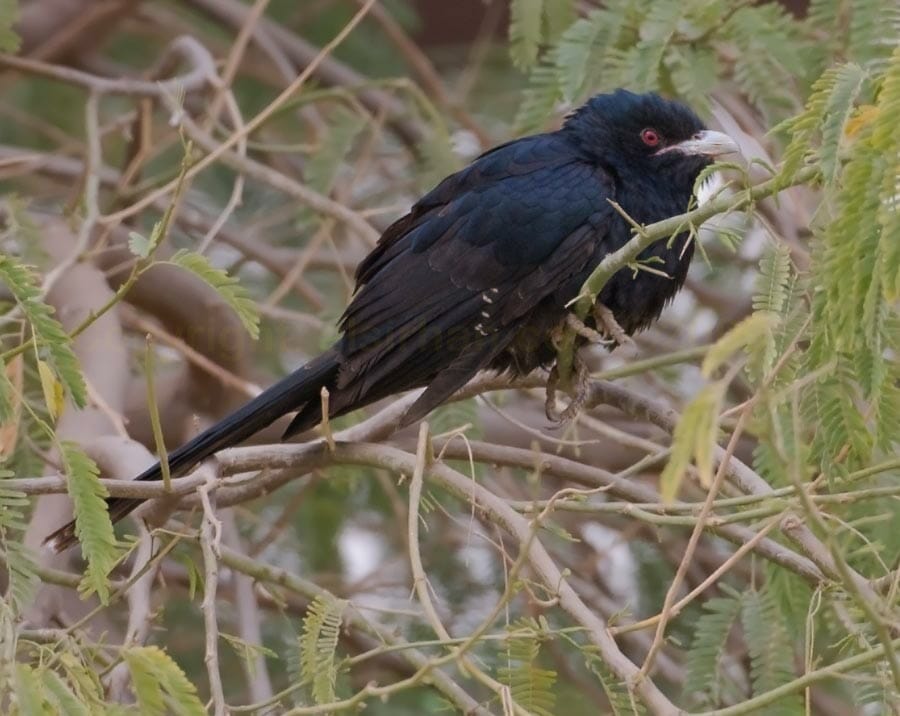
[{"x": 648, "y": 199}]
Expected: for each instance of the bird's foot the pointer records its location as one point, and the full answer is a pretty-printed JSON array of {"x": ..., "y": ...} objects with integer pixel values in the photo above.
[
  {"x": 578, "y": 326},
  {"x": 581, "y": 391},
  {"x": 605, "y": 319},
  {"x": 550, "y": 401}
]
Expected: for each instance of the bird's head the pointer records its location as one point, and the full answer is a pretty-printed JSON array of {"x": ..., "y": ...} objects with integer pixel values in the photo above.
[{"x": 648, "y": 136}]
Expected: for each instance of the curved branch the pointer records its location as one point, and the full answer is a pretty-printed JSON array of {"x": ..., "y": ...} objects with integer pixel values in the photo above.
[{"x": 201, "y": 63}]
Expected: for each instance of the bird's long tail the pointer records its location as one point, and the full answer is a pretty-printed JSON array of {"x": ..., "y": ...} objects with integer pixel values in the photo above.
[{"x": 300, "y": 387}]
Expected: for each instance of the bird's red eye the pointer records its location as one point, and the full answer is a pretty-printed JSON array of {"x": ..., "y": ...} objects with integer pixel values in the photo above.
[{"x": 650, "y": 137}]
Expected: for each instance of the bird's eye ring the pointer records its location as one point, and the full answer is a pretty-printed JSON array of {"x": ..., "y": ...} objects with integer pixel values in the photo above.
[{"x": 650, "y": 137}]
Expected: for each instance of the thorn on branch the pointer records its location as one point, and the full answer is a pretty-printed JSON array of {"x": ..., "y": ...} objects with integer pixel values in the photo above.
[
  {"x": 325, "y": 425},
  {"x": 636, "y": 226}
]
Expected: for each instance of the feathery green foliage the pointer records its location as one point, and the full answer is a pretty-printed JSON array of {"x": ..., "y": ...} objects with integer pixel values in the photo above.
[
  {"x": 92, "y": 525},
  {"x": 530, "y": 685},
  {"x": 768, "y": 60},
  {"x": 63, "y": 698},
  {"x": 9, "y": 14},
  {"x": 160, "y": 685},
  {"x": 20, "y": 564},
  {"x": 771, "y": 649},
  {"x": 318, "y": 646},
  {"x": 525, "y": 30},
  {"x": 851, "y": 334},
  {"x": 694, "y": 438},
  {"x": 773, "y": 297},
  {"x": 772, "y": 280},
  {"x": 745, "y": 334},
  {"x": 7, "y": 396},
  {"x": 539, "y": 99},
  {"x": 704, "y": 673},
  {"x": 665, "y": 45},
  {"x": 228, "y": 287},
  {"x": 29, "y": 698},
  {"x": 437, "y": 159},
  {"x": 324, "y": 163},
  {"x": 52, "y": 342},
  {"x": 621, "y": 701},
  {"x": 791, "y": 596},
  {"x": 826, "y": 113}
]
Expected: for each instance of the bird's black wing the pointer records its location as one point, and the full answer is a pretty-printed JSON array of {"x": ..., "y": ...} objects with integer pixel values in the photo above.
[{"x": 449, "y": 285}]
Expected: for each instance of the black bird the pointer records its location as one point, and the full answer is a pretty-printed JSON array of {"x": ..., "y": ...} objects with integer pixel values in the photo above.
[{"x": 478, "y": 274}]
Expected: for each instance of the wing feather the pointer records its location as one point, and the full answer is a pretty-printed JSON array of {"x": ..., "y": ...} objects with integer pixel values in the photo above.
[{"x": 450, "y": 284}]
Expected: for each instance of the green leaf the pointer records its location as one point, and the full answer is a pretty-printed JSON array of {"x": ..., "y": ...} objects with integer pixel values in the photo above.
[
  {"x": 772, "y": 281},
  {"x": 54, "y": 344},
  {"x": 744, "y": 334},
  {"x": 8, "y": 397},
  {"x": 28, "y": 693},
  {"x": 621, "y": 700},
  {"x": 790, "y": 594},
  {"x": 871, "y": 32},
  {"x": 147, "y": 688},
  {"x": 322, "y": 168},
  {"x": 661, "y": 22},
  {"x": 54, "y": 396},
  {"x": 583, "y": 46},
  {"x": 887, "y": 144},
  {"x": 767, "y": 62},
  {"x": 139, "y": 245},
  {"x": 438, "y": 159},
  {"x": 539, "y": 99},
  {"x": 9, "y": 15},
  {"x": 246, "y": 651},
  {"x": 21, "y": 568},
  {"x": 704, "y": 658},
  {"x": 531, "y": 687},
  {"x": 318, "y": 646},
  {"x": 887, "y": 411},
  {"x": 835, "y": 415},
  {"x": 84, "y": 679},
  {"x": 771, "y": 650},
  {"x": 694, "y": 72},
  {"x": 840, "y": 104},
  {"x": 228, "y": 287},
  {"x": 155, "y": 675},
  {"x": 558, "y": 14},
  {"x": 642, "y": 64},
  {"x": 92, "y": 524},
  {"x": 694, "y": 437},
  {"x": 59, "y": 693},
  {"x": 525, "y": 31},
  {"x": 773, "y": 294},
  {"x": 574, "y": 50}
]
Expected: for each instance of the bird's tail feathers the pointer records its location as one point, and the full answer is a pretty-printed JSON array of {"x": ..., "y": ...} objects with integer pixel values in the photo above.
[{"x": 301, "y": 387}]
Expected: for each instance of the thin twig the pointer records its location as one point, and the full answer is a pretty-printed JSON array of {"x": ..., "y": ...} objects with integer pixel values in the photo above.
[
  {"x": 210, "y": 542},
  {"x": 666, "y": 613},
  {"x": 220, "y": 150}
]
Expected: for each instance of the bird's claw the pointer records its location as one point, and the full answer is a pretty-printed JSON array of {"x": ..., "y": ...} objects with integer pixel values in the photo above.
[
  {"x": 604, "y": 318},
  {"x": 608, "y": 329},
  {"x": 581, "y": 392},
  {"x": 585, "y": 331},
  {"x": 550, "y": 401}
]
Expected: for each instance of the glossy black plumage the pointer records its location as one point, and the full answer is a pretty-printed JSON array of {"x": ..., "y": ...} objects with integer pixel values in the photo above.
[{"x": 478, "y": 273}]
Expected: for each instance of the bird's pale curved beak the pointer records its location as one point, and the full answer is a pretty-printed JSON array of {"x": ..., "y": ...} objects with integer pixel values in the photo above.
[{"x": 707, "y": 143}]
